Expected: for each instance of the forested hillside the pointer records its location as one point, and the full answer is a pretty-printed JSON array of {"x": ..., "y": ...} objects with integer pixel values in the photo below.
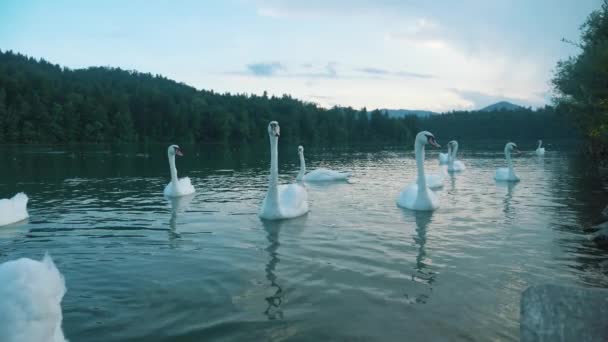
[
  {"x": 507, "y": 123},
  {"x": 44, "y": 103}
]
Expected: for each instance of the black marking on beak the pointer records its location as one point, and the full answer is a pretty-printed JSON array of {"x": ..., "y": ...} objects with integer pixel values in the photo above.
[{"x": 432, "y": 141}]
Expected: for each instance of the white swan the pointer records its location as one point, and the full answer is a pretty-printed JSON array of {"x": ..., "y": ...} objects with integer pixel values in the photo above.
[
  {"x": 507, "y": 173},
  {"x": 30, "y": 301},
  {"x": 318, "y": 175},
  {"x": 13, "y": 210},
  {"x": 540, "y": 151},
  {"x": 177, "y": 187},
  {"x": 281, "y": 201},
  {"x": 445, "y": 157},
  {"x": 453, "y": 164},
  {"x": 418, "y": 196}
]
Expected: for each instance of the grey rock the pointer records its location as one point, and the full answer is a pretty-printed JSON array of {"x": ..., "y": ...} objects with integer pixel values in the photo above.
[
  {"x": 600, "y": 237},
  {"x": 563, "y": 313}
]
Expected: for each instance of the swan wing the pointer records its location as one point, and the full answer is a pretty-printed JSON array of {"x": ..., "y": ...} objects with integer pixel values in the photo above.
[
  {"x": 325, "y": 175},
  {"x": 183, "y": 187},
  {"x": 443, "y": 158},
  {"x": 30, "y": 301},
  {"x": 13, "y": 210},
  {"x": 503, "y": 174},
  {"x": 293, "y": 200},
  {"x": 457, "y": 166},
  {"x": 409, "y": 199},
  {"x": 434, "y": 181}
]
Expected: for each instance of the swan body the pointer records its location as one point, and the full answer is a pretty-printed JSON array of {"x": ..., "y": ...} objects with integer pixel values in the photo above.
[
  {"x": 507, "y": 174},
  {"x": 281, "y": 201},
  {"x": 540, "y": 151},
  {"x": 453, "y": 164},
  {"x": 325, "y": 175},
  {"x": 14, "y": 209},
  {"x": 445, "y": 157},
  {"x": 30, "y": 301},
  {"x": 418, "y": 196},
  {"x": 434, "y": 181},
  {"x": 177, "y": 187},
  {"x": 318, "y": 175}
]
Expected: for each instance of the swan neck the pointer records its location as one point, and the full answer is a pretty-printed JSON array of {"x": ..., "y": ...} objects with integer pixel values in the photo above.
[
  {"x": 452, "y": 157},
  {"x": 302, "y": 167},
  {"x": 173, "y": 169},
  {"x": 420, "y": 166},
  {"x": 540, "y": 143},
  {"x": 274, "y": 170},
  {"x": 509, "y": 162}
]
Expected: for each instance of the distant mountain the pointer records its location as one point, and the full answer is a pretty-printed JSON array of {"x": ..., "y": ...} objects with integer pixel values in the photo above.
[
  {"x": 502, "y": 105},
  {"x": 400, "y": 113}
]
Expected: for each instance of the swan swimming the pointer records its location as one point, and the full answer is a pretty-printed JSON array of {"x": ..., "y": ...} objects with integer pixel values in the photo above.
[
  {"x": 453, "y": 164},
  {"x": 13, "y": 210},
  {"x": 507, "y": 173},
  {"x": 177, "y": 187},
  {"x": 282, "y": 201},
  {"x": 318, "y": 175},
  {"x": 540, "y": 151},
  {"x": 418, "y": 196},
  {"x": 30, "y": 301},
  {"x": 445, "y": 157}
]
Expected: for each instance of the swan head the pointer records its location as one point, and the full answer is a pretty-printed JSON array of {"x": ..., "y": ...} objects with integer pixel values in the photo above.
[
  {"x": 274, "y": 131},
  {"x": 453, "y": 144},
  {"x": 300, "y": 150},
  {"x": 174, "y": 150},
  {"x": 426, "y": 137},
  {"x": 511, "y": 147}
]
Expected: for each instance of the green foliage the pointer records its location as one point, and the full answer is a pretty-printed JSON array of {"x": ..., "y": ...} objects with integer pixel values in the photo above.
[
  {"x": 44, "y": 103},
  {"x": 581, "y": 82}
]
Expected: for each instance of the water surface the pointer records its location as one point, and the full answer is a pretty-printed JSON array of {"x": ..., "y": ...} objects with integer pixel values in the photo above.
[{"x": 140, "y": 267}]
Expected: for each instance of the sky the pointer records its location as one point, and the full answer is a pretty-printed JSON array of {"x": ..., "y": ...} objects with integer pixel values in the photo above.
[{"x": 437, "y": 55}]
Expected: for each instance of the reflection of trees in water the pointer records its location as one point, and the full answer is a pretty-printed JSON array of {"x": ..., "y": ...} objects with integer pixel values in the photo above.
[
  {"x": 273, "y": 310},
  {"x": 577, "y": 183},
  {"x": 579, "y": 178},
  {"x": 422, "y": 272}
]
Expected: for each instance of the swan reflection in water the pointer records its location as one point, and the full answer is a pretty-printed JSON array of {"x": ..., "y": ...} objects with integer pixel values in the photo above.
[
  {"x": 273, "y": 310},
  {"x": 452, "y": 190},
  {"x": 422, "y": 272},
  {"x": 178, "y": 205},
  {"x": 508, "y": 208}
]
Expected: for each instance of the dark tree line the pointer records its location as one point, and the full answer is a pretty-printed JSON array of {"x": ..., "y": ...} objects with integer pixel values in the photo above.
[
  {"x": 523, "y": 123},
  {"x": 44, "y": 103},
  {"x": 582, "y": 82}
]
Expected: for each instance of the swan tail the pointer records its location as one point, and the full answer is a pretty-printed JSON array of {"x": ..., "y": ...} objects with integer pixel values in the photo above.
[{"x": 57, "y": 280}]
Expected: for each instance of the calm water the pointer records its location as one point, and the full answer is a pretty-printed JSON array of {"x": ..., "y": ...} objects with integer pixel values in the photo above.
[{"x": 356, "y": 268}]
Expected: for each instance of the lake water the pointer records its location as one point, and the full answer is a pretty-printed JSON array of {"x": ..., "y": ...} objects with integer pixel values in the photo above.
[{"x": 356, "y": 268}]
